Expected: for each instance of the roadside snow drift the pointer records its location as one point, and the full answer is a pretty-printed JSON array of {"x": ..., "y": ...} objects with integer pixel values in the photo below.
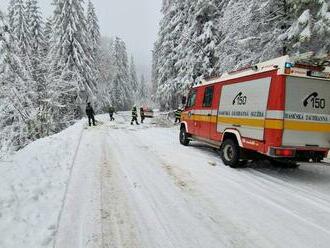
[{"x": 32, "y": 187}]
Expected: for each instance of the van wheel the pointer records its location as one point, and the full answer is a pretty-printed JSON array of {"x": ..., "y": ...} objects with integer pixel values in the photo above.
[
  {"x": 184, "y": 137},
  {"x": 230, "y": 153}
]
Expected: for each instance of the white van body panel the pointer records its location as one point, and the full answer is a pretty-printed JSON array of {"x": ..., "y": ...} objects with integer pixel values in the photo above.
[{"x": 252, "y": 105}]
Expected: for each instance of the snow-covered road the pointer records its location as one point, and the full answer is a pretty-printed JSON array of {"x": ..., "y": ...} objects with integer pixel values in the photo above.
[{"x": 136, "y": 186}]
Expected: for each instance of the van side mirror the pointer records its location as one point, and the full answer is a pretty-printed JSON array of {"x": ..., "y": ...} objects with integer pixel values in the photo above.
[{"x": 184, "y": 100}]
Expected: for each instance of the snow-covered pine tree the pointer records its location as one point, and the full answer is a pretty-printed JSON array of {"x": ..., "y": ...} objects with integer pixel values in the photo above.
[
  {"x": 20, "y": 29},
  {"x": 93, "y": 30},
  {"x": 154, "y": 73},
  {"x": 202, "y": 33},
  {"x": 310, "y": 30},
  {"x": 168, "y": 52},
  {"x": 35, "y": 23},
  {"x": 251, "y": 36},
  {"x": 10, "y": 15},
  {"x": 38, "y": 67},
  {"x": 16, "y": 106},
  {"x": 94, "y": 36},
  {"x": 106, "y": 71},
  {"x": 48, "y": 31},
  {"x": 70, "y": 60},
  {"x": 133, "y": 75},
  {"x": 143, "y": 91},
  {"x": 122, "y": 93}
]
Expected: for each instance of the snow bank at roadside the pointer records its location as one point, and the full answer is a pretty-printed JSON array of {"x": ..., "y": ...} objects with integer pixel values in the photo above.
[{"x": 32, "y": 186}]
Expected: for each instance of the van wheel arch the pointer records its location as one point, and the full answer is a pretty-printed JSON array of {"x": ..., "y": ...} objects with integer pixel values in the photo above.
[{"x": 230, "y": 150}]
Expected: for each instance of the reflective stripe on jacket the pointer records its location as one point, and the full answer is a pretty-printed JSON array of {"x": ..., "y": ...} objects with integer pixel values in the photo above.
[
  {"x": 134, "y": 113},
  {"x": 178, "y": 113}
]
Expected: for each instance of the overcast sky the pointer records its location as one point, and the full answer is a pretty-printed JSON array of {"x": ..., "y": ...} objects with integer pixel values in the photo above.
[{"x": 135, "y": 21}]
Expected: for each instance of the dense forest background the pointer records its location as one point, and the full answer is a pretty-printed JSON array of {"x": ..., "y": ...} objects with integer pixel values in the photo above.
[
  {"x": 202, "y": 38},
  {"x": 50, "y": 69}
]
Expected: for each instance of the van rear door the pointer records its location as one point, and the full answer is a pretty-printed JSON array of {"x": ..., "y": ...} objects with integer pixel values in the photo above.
[{"x": 307, "y": 112}]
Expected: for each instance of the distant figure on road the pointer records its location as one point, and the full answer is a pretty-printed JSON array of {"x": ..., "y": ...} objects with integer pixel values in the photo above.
[
  {"x": 142, "y": 114},
  {"x": 90, "y": 113},
  {"x": 178, "y": 115},
  {"x": 134, "y": 116},
  {"x": 111, "y": 112}
]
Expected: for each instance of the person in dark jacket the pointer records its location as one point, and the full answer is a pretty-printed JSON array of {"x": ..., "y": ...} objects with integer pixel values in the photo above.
[
  {"x": 111, "y": 112},
  {"x": 91, "y": 114},
  {"x": 142, "y": 114},
  {"x": 134, "y": 116},
  {"x": 178, "y": 115}
]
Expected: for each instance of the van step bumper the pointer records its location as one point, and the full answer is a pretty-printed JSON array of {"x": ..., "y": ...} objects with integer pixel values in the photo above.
[{"x": 302, "y": 154}]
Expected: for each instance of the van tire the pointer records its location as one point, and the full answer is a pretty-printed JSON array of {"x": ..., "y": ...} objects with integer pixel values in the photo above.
[
  {"x": 184, "y": 139},
  {"x": 230, "y": 153}
]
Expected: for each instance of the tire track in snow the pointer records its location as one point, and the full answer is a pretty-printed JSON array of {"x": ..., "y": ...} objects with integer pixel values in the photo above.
[
  {"x": 59, "y": 218},
  {"x": 223, "y": 231},
  {"x": 118, "y": 226},
  {"x": 128, "y": 177}
]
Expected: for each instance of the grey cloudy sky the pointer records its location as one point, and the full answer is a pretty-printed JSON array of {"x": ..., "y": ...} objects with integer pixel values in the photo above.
[{"x": 135, "y": 21}]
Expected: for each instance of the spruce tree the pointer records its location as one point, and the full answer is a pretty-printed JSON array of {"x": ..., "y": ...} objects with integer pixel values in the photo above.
[
  {"x": 93, "y": 30},
  {"x": 70, "y": 50},
  {"x": 70, "y": 60},
  {"x": 35, "y": 23},
  {"x": 20, "y": 28},
  {"x": 121, "y": 83},
  {"x": 142, "y": 92},
  {"x": 310, "y": 30},
  {"x": 132, "y": 75},
  {"x": 16, "y": 105},
  {"x": 106, "y": 71},
  {"x": 48, "y": 32}
]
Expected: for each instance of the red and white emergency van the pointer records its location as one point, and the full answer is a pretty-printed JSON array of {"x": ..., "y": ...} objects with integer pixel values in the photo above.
[{"x": 279, "y": 109}]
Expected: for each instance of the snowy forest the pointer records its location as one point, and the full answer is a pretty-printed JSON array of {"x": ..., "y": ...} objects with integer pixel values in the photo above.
[
  {"x": 50, "y": 68},
  {"x": 204, "y": 38}
]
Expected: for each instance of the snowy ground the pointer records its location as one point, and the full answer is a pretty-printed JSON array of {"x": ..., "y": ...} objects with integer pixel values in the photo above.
[{"x": 117, "y": 185}]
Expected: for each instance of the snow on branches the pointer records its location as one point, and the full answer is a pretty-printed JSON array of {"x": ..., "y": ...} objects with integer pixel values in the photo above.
[{"x": 202, "y": 38}]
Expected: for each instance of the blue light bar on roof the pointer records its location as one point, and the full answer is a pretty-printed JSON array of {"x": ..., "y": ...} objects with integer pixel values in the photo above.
[{"x": 288, "y": 65}]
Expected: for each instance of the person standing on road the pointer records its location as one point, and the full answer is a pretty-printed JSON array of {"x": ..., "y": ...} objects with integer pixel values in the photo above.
[
  {"x": 134, "y": 116},
  {"x": 91, "y": 114},
  {"x": 142, "y": 114},
  {"x": 111, "y": 112},
  {"x": 178, "y": 115}
]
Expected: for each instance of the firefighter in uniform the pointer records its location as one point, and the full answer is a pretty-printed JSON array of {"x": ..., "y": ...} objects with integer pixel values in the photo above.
[
  {"x": 111, "y": 112},
  {"x": 178, "y": 115},
  {"x": 142, "y": 114},
  {"x": 90, "y": 113},
  {"x": 134, "y": 116}
]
